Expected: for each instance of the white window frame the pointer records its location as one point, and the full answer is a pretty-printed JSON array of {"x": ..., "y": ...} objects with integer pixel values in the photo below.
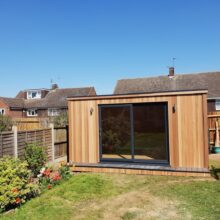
[
  {"x": 30, "y": 94},
  {"x": 2, "y": 111},
  {"x": 53, "y": 112},
  {"x": 217, "y": 105},
  {"x": 32, "y": 113}
]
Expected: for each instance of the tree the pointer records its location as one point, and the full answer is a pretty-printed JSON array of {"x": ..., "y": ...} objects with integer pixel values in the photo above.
[
  {"x": 61, "y": 120},
  {"x": 5, "y": 123}
]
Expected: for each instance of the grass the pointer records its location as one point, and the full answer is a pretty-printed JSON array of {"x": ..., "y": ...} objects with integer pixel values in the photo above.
[
  {"x": 126, "y": 197},
  {"x": 214, "y": 160},
  {"x": 214, "y": 164}
]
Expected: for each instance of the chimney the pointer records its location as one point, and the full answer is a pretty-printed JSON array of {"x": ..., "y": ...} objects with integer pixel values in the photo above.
[
  {"x": 54, "y": 86},
  {"x": 171, "y": 72}
]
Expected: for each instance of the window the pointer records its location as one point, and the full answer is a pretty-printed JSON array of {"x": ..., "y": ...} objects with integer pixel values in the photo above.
[
  {"x": 217, "y": 105},
  {"x": 2, "y": 111},
  {"x": 53, "y": 112},
  {"x": 31, "y": 112},
  {"x": 34, "y": 94},
  {"x": 134, "y": 133}
]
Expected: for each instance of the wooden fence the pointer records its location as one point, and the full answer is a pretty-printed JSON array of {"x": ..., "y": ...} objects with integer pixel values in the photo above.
[
  {"x": 212, "y": 118},
  {"x": 61, "y": 141},
  {"x": 13, "y": 143},
  {"x": 7, "y": 144},
  {"x": 25, "y": 124},
  {"x": 42, "y": 137},
  {"x": 54, "y": 140}
]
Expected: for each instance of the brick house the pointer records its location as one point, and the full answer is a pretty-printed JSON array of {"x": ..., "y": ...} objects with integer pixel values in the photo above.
[
  {"x": 41, "y": 102},
  {"x": 173, "y": 82}
]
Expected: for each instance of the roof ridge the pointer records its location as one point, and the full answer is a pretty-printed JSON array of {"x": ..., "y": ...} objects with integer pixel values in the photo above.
[
  {"x": 4, "y": 97},
  {"x": 176, "y": 74},
  {"x": 86, "y": 87}
]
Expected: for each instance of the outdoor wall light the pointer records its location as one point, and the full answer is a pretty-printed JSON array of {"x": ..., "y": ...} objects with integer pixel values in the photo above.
[
  {"x": 91, "y": 111},
  {"x": 174, "y": 108}
]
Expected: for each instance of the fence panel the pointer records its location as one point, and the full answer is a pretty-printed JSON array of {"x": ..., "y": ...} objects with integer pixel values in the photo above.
[
  {"x": 41, "y": 137},
  {"x": 212, "y": 118},
  {"x": 25, "y": 124},
  {"x": 61, "y": 141},
  {"x": 7, "y": 143}
]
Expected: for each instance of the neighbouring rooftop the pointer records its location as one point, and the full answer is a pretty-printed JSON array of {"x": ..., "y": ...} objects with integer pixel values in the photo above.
[{"x": 177, "y": 82}]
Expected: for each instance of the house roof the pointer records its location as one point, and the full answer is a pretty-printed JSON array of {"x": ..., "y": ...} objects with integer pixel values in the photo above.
[
  {"x": 57, "y": 98},
  {"x": 180, "y": 82},
  {"x": 13, "y": 102},
  {"x": 54, "y": 99},
  {"x": 22, "y": 92}
]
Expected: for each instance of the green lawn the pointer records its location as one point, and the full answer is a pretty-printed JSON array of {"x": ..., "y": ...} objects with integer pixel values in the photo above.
[
  {"x": 214, "y": 160},
  {"x": 126, "y": 197}
]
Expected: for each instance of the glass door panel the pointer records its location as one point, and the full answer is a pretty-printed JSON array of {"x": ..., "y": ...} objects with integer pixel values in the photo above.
[
  {"x": 150, "y": 136},
  {"x": 115, "y": 137}
]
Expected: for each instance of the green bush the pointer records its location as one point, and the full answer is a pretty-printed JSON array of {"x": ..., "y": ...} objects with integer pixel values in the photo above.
[
  {"x": 5, "y": 123},
  {"x": 35, "y": 157},
  {"x": 60, "y": 120},
  {"x": 64, "y": 171},
  {"x": 16, "y": 186}
]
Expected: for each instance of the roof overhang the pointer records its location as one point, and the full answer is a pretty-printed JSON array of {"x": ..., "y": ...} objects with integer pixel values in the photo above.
[
  {"x": 133, "y": 95},
  {"x": 213, "y": 98},
  {"x": 45, "y": 108},
  {"x": 16, "y": 108}
]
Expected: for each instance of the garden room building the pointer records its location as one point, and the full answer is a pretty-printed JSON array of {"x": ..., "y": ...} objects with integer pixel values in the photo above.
[{"x": 162, "y": 133}]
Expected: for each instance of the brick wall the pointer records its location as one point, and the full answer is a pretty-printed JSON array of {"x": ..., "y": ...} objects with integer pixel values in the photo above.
[{"x": 9, "y": 112}]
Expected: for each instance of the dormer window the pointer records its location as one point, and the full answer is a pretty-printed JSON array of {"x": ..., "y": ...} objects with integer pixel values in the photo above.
[{"x": 33, "y": 94}]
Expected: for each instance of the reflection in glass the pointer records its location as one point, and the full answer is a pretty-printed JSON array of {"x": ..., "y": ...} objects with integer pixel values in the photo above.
[
  {"x": 149, "y": 132},
  {"x": 116, "y": 132},
  {"x": 134, "y": 132}
]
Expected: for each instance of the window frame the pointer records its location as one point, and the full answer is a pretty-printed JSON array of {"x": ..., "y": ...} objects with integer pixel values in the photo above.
[
  {"x": 52, "y": 111},
  {"x": 2, "y": 111},
  {"x": 133, "y": 160},
  {"x": 217, "y": 104},
  {"x": 31, "y": 115},
  {"x": 30, "y": 94}
]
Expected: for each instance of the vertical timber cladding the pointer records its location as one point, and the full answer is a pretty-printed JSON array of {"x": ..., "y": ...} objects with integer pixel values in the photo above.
[{"x": 187, "y": 124}]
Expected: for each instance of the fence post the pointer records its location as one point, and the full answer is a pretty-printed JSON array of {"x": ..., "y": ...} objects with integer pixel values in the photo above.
[
  {"x": 52, "y": 141},
  {"x": 15, "y": 131},
  {"x": 67, "y": 143},
  {"x": 1, "y": 145}
]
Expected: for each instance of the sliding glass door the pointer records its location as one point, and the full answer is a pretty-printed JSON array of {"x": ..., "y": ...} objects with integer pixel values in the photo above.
[
  {"x": 150, "y": 137},
  {"x": 116, "y": 132},
  {"x": 134, "y": 133}
]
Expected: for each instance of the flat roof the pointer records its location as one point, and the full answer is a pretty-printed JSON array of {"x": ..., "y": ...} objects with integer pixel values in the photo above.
[{"x": 133, "y": 95}]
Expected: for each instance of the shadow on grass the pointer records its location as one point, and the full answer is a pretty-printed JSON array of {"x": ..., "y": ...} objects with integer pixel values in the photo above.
[{"x": 215, "y": 172}]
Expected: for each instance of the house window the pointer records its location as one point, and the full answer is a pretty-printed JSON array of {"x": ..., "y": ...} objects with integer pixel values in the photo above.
[
  {"x": 34, "y": 94},
  {"x": 217, "y": 105},
  {"x": 53, "y": 112},
  {"x": 2, "y": 111},
  {"x": 31, "y": 112}
]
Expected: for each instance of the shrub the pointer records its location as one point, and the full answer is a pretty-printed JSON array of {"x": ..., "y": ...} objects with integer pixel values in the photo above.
[
  {"x": 35, "y": 157},
  {"x": 16, "y": 186},
  {"x": 60, "y": 120},
  {"x": 49, "y": 178},
  {"x": 64, "y": 171},
  {"x": 5, "y": 123}
]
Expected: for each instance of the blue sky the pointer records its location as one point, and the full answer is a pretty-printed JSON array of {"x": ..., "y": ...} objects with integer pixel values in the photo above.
[{"x": 96, "y": 42}]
